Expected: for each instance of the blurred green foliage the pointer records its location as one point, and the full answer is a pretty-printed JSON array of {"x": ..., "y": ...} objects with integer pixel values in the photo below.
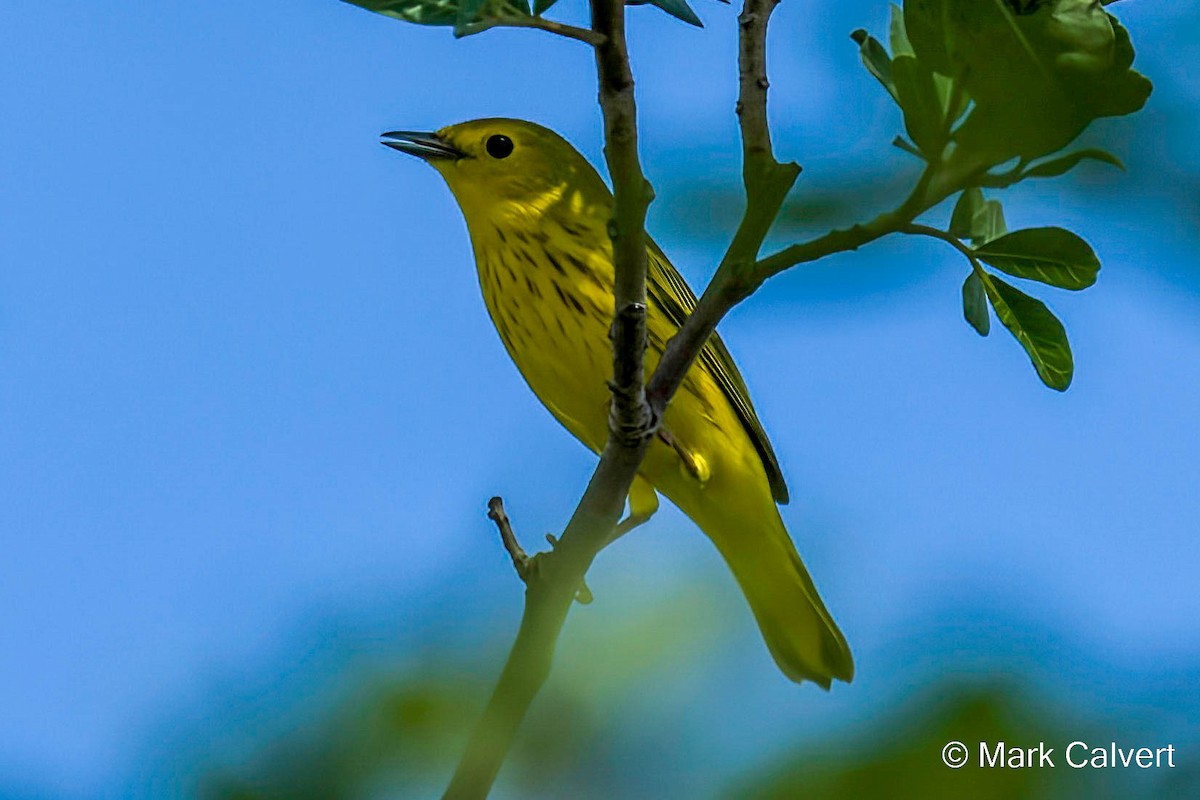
[
  {"x": 398, "y": 733},
  {"x": 396, "y": 737},
  {"x": 635, "y": 700},
  {"x": 900, "y": 755}
]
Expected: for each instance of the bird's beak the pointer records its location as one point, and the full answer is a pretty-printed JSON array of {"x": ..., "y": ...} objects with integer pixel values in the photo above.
[{"x": 426, "y": 146}]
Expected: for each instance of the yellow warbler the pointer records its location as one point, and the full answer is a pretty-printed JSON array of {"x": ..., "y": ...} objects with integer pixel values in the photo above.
[{"x": 538, "y": 216}]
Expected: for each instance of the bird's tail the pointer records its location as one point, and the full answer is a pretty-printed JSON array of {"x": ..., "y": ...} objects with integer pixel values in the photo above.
[{"x": 798, "y": 629}]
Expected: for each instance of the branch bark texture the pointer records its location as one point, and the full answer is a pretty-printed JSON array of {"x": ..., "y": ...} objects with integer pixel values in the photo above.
[{"x": 630, "y": 421}]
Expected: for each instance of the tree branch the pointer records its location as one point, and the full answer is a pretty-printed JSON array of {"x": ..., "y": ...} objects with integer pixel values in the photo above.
[
  {"x": 554, "y": 578},
  {"x": 540, "y": 23},
  {"x": 630, "y": 420},
  {"x": 517, "y": 553},
  {"x": 930, "y": 190},
  {"x": 766, "y": 182}
]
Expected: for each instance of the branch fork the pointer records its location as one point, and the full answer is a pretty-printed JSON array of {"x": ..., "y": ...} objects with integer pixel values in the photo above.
[{"x": 526, "y": 566}]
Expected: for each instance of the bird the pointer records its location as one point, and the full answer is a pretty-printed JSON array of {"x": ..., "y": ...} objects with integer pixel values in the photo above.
[{"x": 538, "y": 216}]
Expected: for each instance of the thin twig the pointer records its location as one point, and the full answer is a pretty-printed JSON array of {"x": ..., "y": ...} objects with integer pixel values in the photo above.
[
  {"x": 949, "y": 238},
  {"x": 1004, "y": 179},
  {"x": 766, "y": 182},
  {"x": 752, "y": 77},
  {"x": 924, "y": 196},
  {"x": 519, "y": 557},
  {"x": 540, "y": 23}
]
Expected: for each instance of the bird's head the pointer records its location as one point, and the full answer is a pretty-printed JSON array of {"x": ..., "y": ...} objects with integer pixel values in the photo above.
[{"x": 505, "y": 166}]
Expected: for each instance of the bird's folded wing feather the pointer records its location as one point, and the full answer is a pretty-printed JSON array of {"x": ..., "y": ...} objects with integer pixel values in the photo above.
[{"x": 669, "y": 291}]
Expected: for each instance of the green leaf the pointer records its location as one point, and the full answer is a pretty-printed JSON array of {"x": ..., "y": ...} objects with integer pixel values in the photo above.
[
  {"x": 676, "y": 8},
  {"x": 422, "y": 12},
  {"x": 906, "y": 146},
  {"x": 977, "y": 218},
  {"x": 975, "y": 309},
  {"x": 954, "y": 99},
  {"x": 1004, "y": 79},
  {"x": 898, "y": 34},
  {"x": 1050, "y": 255},
  {"x": 991, "y": 223},
  {"x": 542, "y": 6},
  {"x": 1063, "y": 164},
  {"x": 929, "y": 30},
  {"x": 968, "y": 207},
  {"x": 468, "y": 12},
  {"x": 876, "y": 60},
  {"x": 1037, "y": 77},
  {"x": 922, "y": 105},
  {"x": 1036, "y": 329}
]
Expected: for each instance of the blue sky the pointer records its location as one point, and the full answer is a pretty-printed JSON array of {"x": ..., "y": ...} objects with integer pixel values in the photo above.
[{"x": 248, "y": 390}]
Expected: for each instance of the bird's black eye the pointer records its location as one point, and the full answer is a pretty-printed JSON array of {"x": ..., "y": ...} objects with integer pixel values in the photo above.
[{"x": 499, "y": 146}]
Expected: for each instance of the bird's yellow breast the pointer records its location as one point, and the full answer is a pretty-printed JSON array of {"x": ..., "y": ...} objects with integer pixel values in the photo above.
[
  {"x": 549, "y": 290},
  {"x": 551, "y": 303}
]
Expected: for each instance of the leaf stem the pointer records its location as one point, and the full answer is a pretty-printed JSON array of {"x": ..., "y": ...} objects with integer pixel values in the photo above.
[
  {"x": 930, "y": 190},
  {"x": 913, "y": 229}
]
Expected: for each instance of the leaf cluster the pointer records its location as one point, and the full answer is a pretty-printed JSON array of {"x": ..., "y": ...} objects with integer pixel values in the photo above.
[
  {"x": 991, "y": 92},
  {"x": 981, "y": 82},
  {"x": 472, "y": 16},
  {"x": 1051, "y": 256}
]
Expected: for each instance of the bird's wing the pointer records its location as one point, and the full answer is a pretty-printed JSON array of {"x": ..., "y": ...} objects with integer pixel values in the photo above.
[{"x": 667, "y": 288}]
